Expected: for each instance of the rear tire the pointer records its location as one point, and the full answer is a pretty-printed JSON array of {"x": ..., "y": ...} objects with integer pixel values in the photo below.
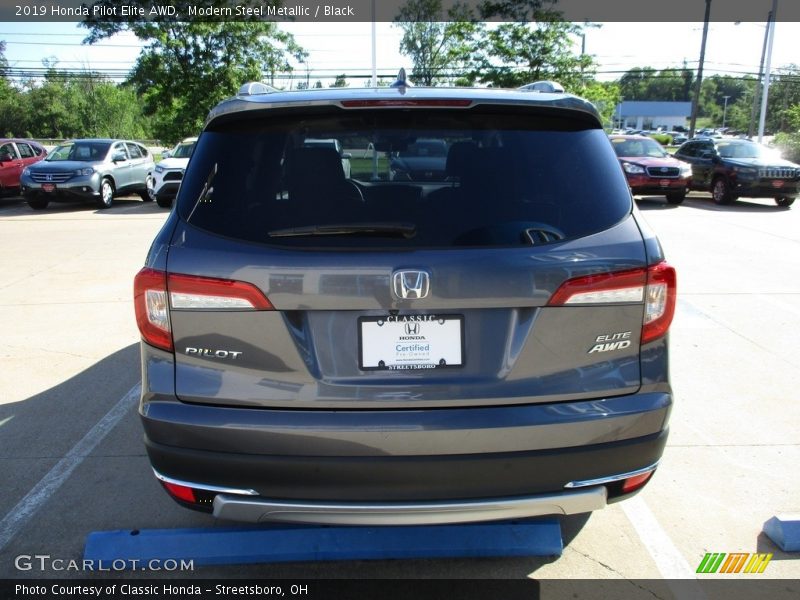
[
  {"x": 784, "y": 201},
  {"x": 37, "y": 204},
  {"x": 676, "y": 197},
  {"x": 721, "y": 191},
  {"x": 106, "y": 198}
]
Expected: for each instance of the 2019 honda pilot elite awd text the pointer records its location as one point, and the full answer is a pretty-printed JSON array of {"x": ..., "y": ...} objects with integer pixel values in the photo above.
[{"x": 490, "y": 344}]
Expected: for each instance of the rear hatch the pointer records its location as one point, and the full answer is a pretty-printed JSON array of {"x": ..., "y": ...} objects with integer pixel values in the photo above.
[{"x": 517, "y": 275}]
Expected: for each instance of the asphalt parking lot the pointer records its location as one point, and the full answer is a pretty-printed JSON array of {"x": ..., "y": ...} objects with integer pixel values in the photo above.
[{"x": 72, "y": 459}]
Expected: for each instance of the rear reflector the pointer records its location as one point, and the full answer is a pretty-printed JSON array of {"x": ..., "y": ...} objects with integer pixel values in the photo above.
[
  {"x": 634, "y": 483},
  {"x": 181, "y": 492},
  {"x": 654, "y": 286},
  {"x": 153, "y": 288}
]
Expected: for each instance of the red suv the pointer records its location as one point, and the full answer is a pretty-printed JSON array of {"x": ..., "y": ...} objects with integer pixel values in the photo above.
[
  {"x": 650, "y": 169},
  {"x": 15, "y": 155}
]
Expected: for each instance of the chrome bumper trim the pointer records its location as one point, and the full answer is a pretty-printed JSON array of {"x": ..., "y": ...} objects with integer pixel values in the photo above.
[
  {"x": 203, "y": 486},
  {"x": 610, "y": 478},
  {"x": 416, "y": 513}
]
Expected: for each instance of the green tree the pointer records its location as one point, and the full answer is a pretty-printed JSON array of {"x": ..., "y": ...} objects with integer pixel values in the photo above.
[
  {"x": 605, "y": 96},
  {"x": 339, "y": 82},
  {"x": 438, "y": 45},
  {"x": 537, "y": 45},
  {"x": 188, "y": 67},
  {"x": 13, "y": 116}
]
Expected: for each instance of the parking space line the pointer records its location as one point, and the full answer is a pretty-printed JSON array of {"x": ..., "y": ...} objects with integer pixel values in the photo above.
[
  {"x": 662, "y": 550},
  {"x": 26, "y": 508}
]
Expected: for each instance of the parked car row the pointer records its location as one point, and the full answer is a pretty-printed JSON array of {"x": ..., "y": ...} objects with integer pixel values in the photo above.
[
  {"x": 93, "y": 170},
  {"x": 168, "y": 174},
  {"x": 728, "y": 168},
  {"x": 15, "y": 156},
  {"x": 90, "y": 170}
]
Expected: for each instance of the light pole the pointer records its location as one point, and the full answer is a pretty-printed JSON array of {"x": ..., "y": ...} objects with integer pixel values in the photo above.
[
  {"x": 724, "y": 110},
  {"x": 757, "y": 90},
  {"x": 765, "y": 91}
]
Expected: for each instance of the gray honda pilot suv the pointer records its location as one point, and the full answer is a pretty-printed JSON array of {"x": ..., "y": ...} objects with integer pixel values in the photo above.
[{"x": 486, "y": 342}]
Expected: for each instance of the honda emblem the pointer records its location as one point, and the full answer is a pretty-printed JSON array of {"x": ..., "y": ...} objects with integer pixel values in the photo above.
[{"x": 411, "y": 285}]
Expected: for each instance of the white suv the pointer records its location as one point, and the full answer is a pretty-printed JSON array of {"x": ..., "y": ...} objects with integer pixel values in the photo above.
[{"x": 168, "y": 173}]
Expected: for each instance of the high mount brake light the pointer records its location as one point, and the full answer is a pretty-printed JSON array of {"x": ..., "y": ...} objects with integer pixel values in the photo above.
[
  {"x": 155, "y": 292},
  {"x": 409, "y": 102},
  {"x": 655, "y": 286}
]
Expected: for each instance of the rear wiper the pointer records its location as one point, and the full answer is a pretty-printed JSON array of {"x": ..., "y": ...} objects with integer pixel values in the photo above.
[{"x": 406, "y": 230}]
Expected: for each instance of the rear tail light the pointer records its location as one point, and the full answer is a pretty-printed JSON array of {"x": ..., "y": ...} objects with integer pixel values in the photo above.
[
  {"x": 155, "y": 293},
  {"x": 655, "y": 286},
  {"x": 150, "y": 304}
]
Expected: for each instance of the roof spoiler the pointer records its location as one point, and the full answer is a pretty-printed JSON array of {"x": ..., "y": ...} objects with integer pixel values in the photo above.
[
  {"x": 544, "y": 87},
  {"x": 255, "y": 88}
]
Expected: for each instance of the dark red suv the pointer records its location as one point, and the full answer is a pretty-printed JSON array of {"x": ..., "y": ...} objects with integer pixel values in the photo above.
[{"x": 650, "y": 170}]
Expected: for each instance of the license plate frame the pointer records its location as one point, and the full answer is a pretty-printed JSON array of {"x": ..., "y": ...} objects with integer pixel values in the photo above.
[{"x": 411, "y": 342}]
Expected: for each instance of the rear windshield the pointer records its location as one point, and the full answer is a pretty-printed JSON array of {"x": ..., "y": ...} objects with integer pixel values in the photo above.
[{"x": 404, "y": 179}]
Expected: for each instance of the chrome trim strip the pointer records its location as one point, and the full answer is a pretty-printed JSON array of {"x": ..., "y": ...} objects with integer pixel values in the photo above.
[
  {"x": 417, "y": 513},
  {"x": 610, "y": 478},
  {"x": 206, "y": 487}
]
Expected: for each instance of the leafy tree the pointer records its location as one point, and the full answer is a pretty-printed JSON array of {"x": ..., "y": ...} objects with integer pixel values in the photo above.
[
  {"x": 188, "y": 67},
  {"x": 13, "y": 117},
  {"x": 438, "y": 49},
  {"x": 605, "y": 96},
  {"x": 339, "y": 82},
  {"x": 536, "y": 45}
]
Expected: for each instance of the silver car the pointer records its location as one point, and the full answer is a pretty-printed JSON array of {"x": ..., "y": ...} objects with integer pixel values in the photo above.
[
  {"x": 490, "y": 343},
  {"x": 93, "y": 170}
]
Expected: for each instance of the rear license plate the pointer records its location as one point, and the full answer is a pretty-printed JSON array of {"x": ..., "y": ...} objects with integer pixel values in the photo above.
[
  {"x": 48, "y": 187},
  {"x": 411, "y": 342}
]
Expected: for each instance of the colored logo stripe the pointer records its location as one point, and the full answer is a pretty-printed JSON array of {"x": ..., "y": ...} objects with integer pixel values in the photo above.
[{"x": 721, "y": 562}]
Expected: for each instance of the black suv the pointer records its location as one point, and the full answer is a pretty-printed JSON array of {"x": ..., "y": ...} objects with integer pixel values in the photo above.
[
  {"x": 487, "y": 342},
  {"x": 731, "y": 168}
]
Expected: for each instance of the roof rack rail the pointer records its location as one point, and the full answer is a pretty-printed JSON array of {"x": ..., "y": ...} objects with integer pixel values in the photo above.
[
  {"x": 545, "y": 87},
  {"x": 255, "y": 88}
]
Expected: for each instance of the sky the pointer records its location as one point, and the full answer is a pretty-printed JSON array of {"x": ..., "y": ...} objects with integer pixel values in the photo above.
[{"x": 346, "y": 47}]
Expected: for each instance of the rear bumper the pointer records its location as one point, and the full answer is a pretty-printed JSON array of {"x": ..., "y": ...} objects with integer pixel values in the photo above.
[
  {"x": 259, "y": 510},
  {"x": 392, "y": 479}
]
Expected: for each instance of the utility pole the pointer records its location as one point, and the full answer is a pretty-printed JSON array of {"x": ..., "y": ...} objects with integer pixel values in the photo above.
[
  {"x": 724, "y": 110},
  {"x": 699, "y": 82},
  {"x": 757, "y": 91},
  {"x": 765, "y": 91}
]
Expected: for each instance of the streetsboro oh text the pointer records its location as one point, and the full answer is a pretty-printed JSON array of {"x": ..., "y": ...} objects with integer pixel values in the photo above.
[{"x": 167, "y": 589}]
